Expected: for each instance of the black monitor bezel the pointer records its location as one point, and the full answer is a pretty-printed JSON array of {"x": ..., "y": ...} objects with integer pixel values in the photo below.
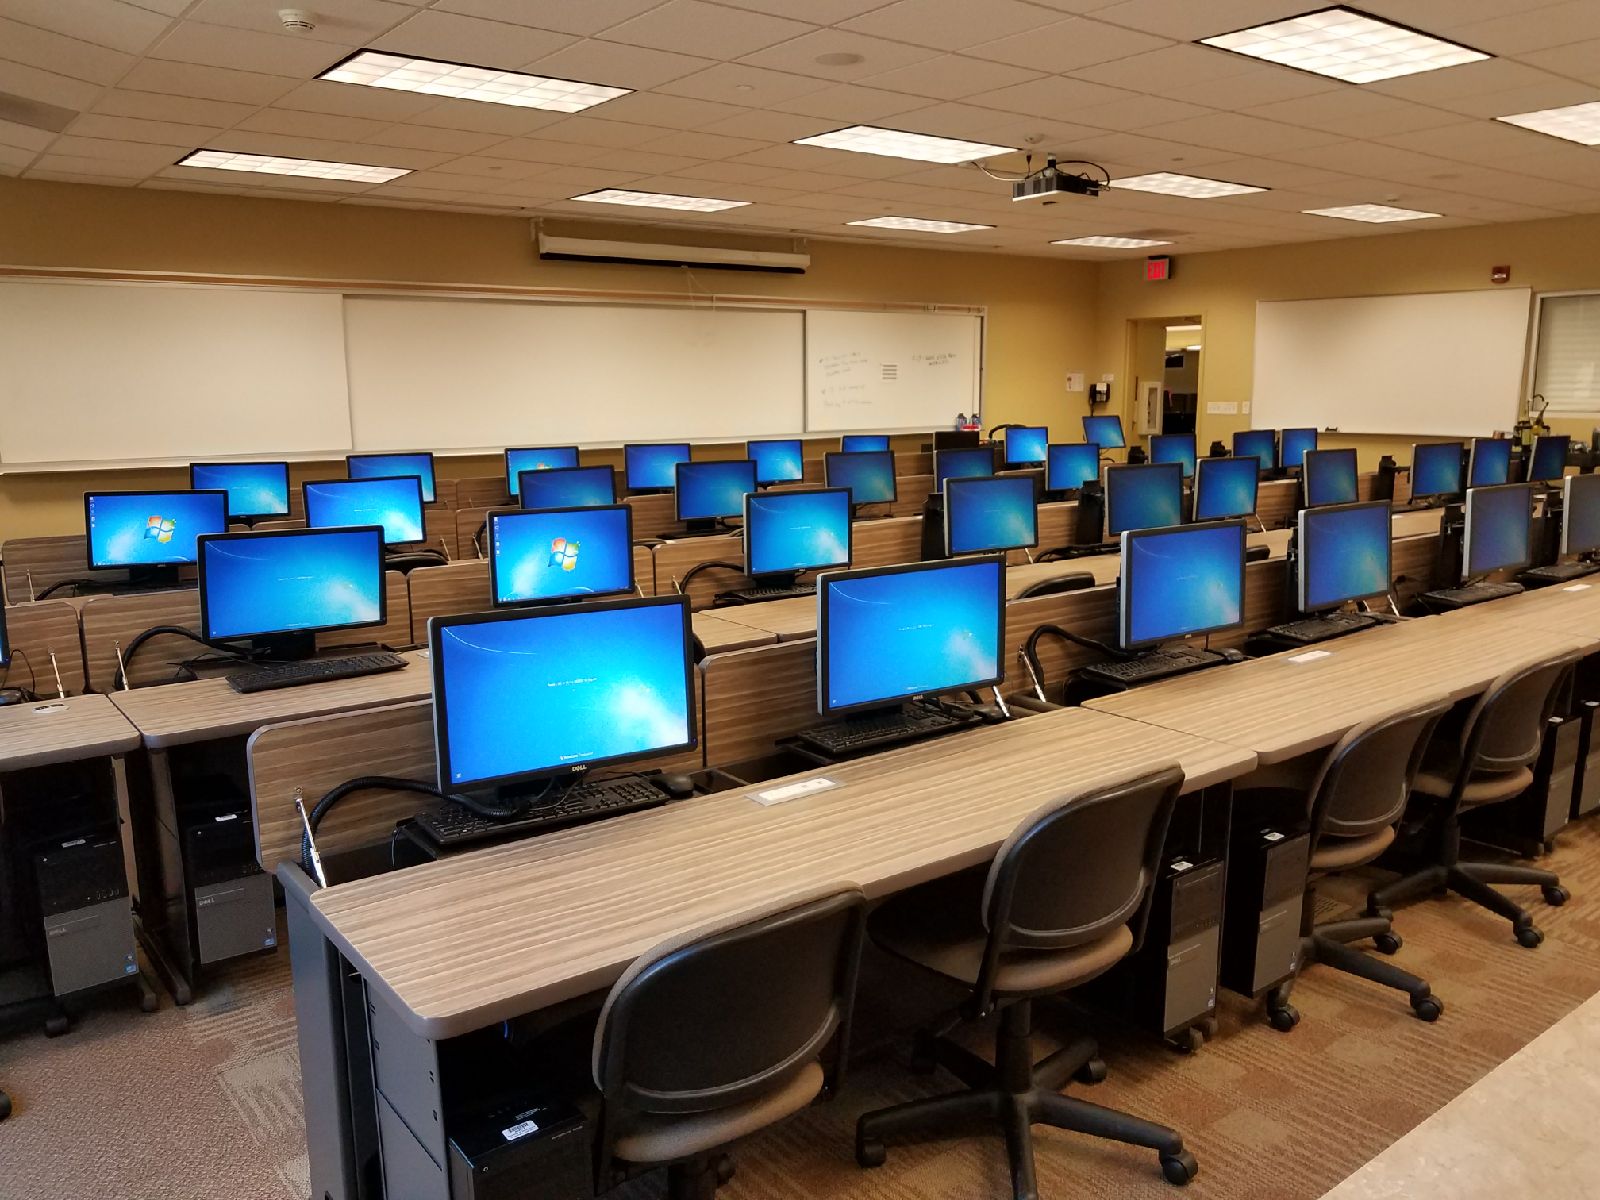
[
  {"x": 1343, "y": 453},
  {"x": 1119, "y": 470},
  {"x": 1472, "y": 460},
  {"x": 1570, "y": 484},
  {"x": 1200, "y": 471},
  {"x": 88, "y": 538},
  {"x": 288, "y": 491},
  {"x": 547, "y": 472},
  {"x": 1049, "y": 483},
  {"x": 433, "y": 468},
  {"x": 1461, "y": 470},
  {"x": 856, "y": 455},
  {"x": 963, "y": 483},
  {"x": 1125, "y": 581},
  {"x": 496, "y": 514},
  {"x": 1303, "y": 552},
  {"x": 709, "y": 464},
  {"x": 764, "y": 497},
  {"x": 1533, "y": 456},
  {"x": 1233, "y": 447},
  {"x": 1194, "y": 450},
  {"x": 514, "y": 482},
  {"x": 1316, "y": 438},
  {"x": 422, "y": 505},
  {"x": 1466, "y": 534},
  {"x": 1005, "y": 446},
  {"x": 260, "y": 534},
  {"x": 1121, "y": 432}
]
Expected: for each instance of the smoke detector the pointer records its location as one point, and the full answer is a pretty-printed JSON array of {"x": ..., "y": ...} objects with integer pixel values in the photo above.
[{"x": 297, "y": 20}]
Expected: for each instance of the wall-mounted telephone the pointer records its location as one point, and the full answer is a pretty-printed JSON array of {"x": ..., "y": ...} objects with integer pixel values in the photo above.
[{"x": 1099, "y": 393}]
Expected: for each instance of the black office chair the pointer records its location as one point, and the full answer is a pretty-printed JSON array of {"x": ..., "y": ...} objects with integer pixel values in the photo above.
[
  {"x": 710, "y": 1038},
  {"x": 1488, "y": 761},
  {"x": 1066, "y": 898},
  {"x": 1355, "y": 801},
  {"x": 1072, "y": 581}
]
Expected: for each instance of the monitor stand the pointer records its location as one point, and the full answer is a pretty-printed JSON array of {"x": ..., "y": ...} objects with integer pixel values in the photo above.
[
  {"x": 855, "y": 734},
  {"x": 775, "y": 585},
  {"x": 153, "y": 579},
  {"x": 284, "y": 647},
  {"x": 706, "y": 527}
]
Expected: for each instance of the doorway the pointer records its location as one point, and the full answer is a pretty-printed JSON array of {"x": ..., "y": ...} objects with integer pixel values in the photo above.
[{"x": 1165, "y": 367}]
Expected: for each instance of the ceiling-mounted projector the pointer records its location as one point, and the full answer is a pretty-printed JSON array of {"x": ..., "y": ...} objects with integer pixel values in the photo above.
[{"x": 1052, "y": 181}]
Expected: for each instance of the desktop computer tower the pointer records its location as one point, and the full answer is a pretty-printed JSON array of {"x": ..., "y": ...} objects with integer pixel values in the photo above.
[
  {"x": 1528, "y": 824},
  {"x": 1586, "y": 779},
  {"x": 523, "y": 1149},
  {"x": 231, "y": 904},
  {"x": 1266, "y": 894},
  {"x": 1090, "y": 529},
  {"x": 87, "y": 915},
  {"x": 933, "y": 546}
]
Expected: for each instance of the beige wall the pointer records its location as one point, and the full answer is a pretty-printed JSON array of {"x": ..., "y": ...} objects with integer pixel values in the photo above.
[{"x": 1041, "y": 314}]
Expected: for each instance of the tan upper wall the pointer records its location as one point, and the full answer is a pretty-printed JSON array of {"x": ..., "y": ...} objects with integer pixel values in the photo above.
[{"x": 1041, "y": 313}]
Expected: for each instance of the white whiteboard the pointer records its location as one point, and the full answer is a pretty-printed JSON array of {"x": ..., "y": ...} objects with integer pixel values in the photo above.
[
  {"x": 889, "y": 371},
  {"x": 1442, "y": 363},
  {"x": 125, "y": 372},
  {"x": 466, "y": 374}
]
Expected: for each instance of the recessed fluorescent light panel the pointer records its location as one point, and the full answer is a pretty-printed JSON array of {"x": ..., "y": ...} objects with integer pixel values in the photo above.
[
  {"x": 1372, "y": 214},
  {"x": 1192, "y": 187},
  {"x": 306, "y": 168},
  {"x": 659, "y": 200},
  {"x": 893, "y": 143},
  {"x": 1111, "y": 243},
  {"x": 1576, "y": 123},
  {"x": 919, "y": 225},
  {"x": 459, "y": 81},
  {"x": 1344, "y": 44}
]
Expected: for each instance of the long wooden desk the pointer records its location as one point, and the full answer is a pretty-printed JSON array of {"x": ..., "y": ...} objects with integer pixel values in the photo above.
[{"x": 34, "y": 735}]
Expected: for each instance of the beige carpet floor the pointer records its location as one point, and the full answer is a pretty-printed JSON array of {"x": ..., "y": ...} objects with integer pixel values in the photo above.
[{"x": 203, "y": 1101}]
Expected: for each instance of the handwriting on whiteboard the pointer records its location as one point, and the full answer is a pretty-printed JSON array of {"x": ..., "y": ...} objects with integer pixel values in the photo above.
[{"x": 938, "y": 358}]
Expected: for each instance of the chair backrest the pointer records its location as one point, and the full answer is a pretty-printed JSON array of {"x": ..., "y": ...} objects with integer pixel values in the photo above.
[
  {"x": 1505, "y": 728},
  {"x": 728, "y": 1014},
  {"x": 1363, "y": 784},
  {"x": 1072, "y": 581},
  {"x": 1073, "y": 872}
]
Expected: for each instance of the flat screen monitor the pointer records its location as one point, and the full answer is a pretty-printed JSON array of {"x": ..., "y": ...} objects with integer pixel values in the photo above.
[
  {"x": 857, "y": 443},
  {"x": 789, "y": 532},
  {"x": 537, "y": 555},
  {"x": 1549, "y": 458},
  {"x": 708, "y": 491},
  {"x": 1491, "y": 462},
  {"x": 780, "y": 460},
  {"x": 539, "y": 693},
  {"x": 569, "y": 487},
  {"x": 394, "y": 503},
  {"x": 955, "y": 439},
  {"x": 1071, "y": 466},
  {"x": 1499, "y": 534},
  {"x": 868, "y": 476},
  {"x": 266, "y": 584},
  {"x": 1580, "y": 514},
  {"x": 1105, "y": 432},
  {"x": 1143, "y": 496},
  {"x": 255, "y": 489},
  {"x": 1435, "y": 470},
  {"x": 1259, "y": 444},
  {"x": 886, "y": 634},
  {"x": 983, "y": 515},
  {"x": 1292, "y": 446},
  {"x": 1330, "y": 477},
  {"x": 1174, "y": 448},
  {"x": 1027, "y": 445},
  {"x": 149, "y": 529},
  {"x": 536, "y": 458},
  {"x": 1178, "y": 582},
  {"x": 969, "y": 463},
  {"x": 1225, "y": 488},
  {"x": 652, "y": 467},
  {"x": 1344, "y": 554},
  {"x": 385, "y": 466}
]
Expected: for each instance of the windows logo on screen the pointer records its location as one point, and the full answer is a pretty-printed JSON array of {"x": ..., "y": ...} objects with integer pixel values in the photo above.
[
  {"x": 564, "y": 554},
  {"x": 160, "y": 529}
]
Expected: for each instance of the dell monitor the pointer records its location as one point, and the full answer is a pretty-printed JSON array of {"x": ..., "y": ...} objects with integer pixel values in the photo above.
[
  {"x": 1225, "y": 488},
  {"x": 1259, "y": 444},
  {"x": 1293, "y": 445},
  {"x": 255, "y": 489},
  {"x": 1143, "y": 496},
  {"x": 1344, "y": 554},
  {"x": 1027, "y": 445},
  {"x": 860, "y": 443},
  {"x": 1549, "y": 459},
  {"x": 652, "y": 467},
  {"x": 568, "y": 487},
  {"x": 888, "y": 634},
  {"x": 1435, "y": 470},
  {"x": 541, "y": 555},
  {"x": 1070, "y": 466},
  {"x": 536, "y": 458},
  {"x": 385, "y": 466},
  {"x": 1179, "y": 582},
  {"x": 1491, "y": 462},
  {"x": 523, "y": 697},
  {"x": 1499, "y": 535},
  {"x": 868, "y": 476},
  {"x": 1174, "y": 448},
  {"x": 1329, "y": 477},
  {"x": 394, "y": 502},
  {"x": 779, "y": 460},
  {"x": 279, "y": 589},
  {"x": 1105, "y": 432},
  {"x": 984, "y": 515},
  {"x": 1580, "y": 514},
  {"x": 706, "y": 493},
  {"x": 150, "y": 534},
  {"x": 971, "y": 463},
  {"x": 786, "y": 533}
]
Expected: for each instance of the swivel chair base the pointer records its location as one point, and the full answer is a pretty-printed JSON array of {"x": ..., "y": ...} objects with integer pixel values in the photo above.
[
  {"x": 1472, "y": 881},
  {"x": 1329, "y": 944},
  {"x": 698, "y": 1178}
]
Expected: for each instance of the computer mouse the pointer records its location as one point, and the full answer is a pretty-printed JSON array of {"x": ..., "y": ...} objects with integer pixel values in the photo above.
[
  {"x": 676, "y": 786},
  {"x": 1232, "y": 655}
]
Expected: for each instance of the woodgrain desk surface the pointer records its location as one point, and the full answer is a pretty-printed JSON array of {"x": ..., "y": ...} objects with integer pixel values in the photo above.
[
  {"x": 716, "y": 633},
  {"x": 473, "y": 940},
  {"x": 79, "y": 727}
]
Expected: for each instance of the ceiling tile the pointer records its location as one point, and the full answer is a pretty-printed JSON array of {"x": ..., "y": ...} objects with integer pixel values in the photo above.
[
  {"x": 765, "y": 126},
  {"x": 1057, "y": 97},
  {"x": 342, "y": 100},
  {"x": 819, "y": 12},
  {"x": 326, "y": 150},
  {"x": 1172, "y": 66},
  {"x": 1577, "y": 60},
  {"x": 702, "y": 145},
  {"x": 616, "y": 65},
  {"x": 479, "y": 166},
  {"x": 1241, "y": 133},
  {"x": 950, "y": 24},
  {"x": 543, "y": 151},
  {"x": 447, "y": 141},
  {"x": 1138, "y": 112},
  {"x": 67, "y": 169},
  {"x": 582, "y": 17},
  {"x": 1470, "y": 141},
  {"x": 306, "y": 124},
  {"x": 24, "y": 137},
  {"x": 1066, "y": 45},
  {"x": 109, "y": 23},
  {"x": 1446, "y": 18},
  {"x": 181, "y": 110},
  {"x": 740, "y": 84},
  {"x": 1552, "y": 93},
  {"x": 342, "y": 22},
  {"x": 1260, "y": 84},
  {"x": 1469, "y": 79},
  {"x": 668, "y": 111},
  {"x": 695, "y": 27},
  {"x": 472, "y": 41},
  {"x": 951, "y": 77},
  {"x": 34, "y": 84},
  {"x": 1185, "y": 21},
  {"x": 1354, "y": 113},
  {"x": 276, "y": 183},
  {"x": 874, "y": 55},
  {"x": 62, "y": 55},
  {"x": 735, "y": 173},
  {"x": 152, "y": 157},
  {"x": 129, "y": 129},
  {"x": 206, "y": 83},
  {"x": 849, "y": 104},
  {"x": 246, "y": 50},
  {"x": 1557, "y": 160},
  {"x": 486, "y": 118},
  {"x": 1517, "y": 33},
  {"x": 593, "y": 131}
]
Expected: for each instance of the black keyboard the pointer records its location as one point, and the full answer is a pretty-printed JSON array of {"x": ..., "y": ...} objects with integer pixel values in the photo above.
[
  {"x": 880, "y": 730},
  {"x": 756, "y": 595},
  {"x": 1155, "y": 664},
  {"x": 1559, "y": 572},
  {"x": 316, "y": 670},
  {"x": 1320, "y": 629},
  {"x": 1473, "y": 593},
  {"x": 452, "y": 825}
]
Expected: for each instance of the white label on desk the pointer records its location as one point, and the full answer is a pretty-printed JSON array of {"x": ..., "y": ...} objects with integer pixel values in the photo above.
[
  {"x": 1310, "y": 656},
  {"x": 1577, "y": 587},
  {"x": 44, "y": 710},
  {"x": 520, "y": 1130},
  {"x": 793, "y": 791}
]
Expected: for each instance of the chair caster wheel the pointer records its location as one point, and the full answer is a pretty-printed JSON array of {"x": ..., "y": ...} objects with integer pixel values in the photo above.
[
  {"x": 1388, "y": 943},
  {"x": 870, "y": 1152},
  {"x": 1187, "y": 1041},
  {"x": 1556, "y": 896},
  {"x": 57, "y": 1025},
  {"x": 1179, "y": 1168},
  {"x": 1093, "y": 1071},
  {"x": 1284, "y": 1019},
  {"x": 725, "y": 1169},
  {"x": 1427, "y": 1008},
  {"x": 1529, "y": 937}
]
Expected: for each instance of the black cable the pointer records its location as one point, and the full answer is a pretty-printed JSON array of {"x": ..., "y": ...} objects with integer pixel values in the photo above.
[
  {"x": 63, "y": 583},
  {"x": 120, "y": 681},
  {"x": 29, "y": 693},
  {"x": 1030, "y": 648},
  {"x": 683, "y": 584}
]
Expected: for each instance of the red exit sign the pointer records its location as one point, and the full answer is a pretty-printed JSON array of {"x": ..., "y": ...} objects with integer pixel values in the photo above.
[{"x": 1158, "y": 266}]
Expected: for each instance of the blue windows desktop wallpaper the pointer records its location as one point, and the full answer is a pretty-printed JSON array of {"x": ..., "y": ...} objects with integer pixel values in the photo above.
[
  {"x": 1499, "y": 523},
  {"x": 1071, "y": 465},
  {"x": 569, "y": 487},
  {"x": 1028, "y": 444},
  {"x": 1330, "y": 477},
  {"x": 651, "y": 467},
  {"x": 1182, "y": 581},
  {"x": 550, "y": 555},
  {"x": 868, "y": 475},
  {"x": 1260, "y": 444},
  {"x": 965, "y": 462},
  {"x": 1174, "y": 447},
  {"x": 257, "y": 584},
  {"x": 1225, "y": 487},
  {"x": 254, "y": 489},
  {"x": 1345, "y": 555},
  {"x": 713, "y": 489},
  {"x": 778, "y": 461},
  {"x": 533, "y": 458},
  {"x": 1491, "y": 462},
  {"x": 136, "y": 529},
  {"x": 395, "y": 503},
  {"x": 797, "y": 531},
  {"x": 997, "y": 513},
  {"x": 1436, "y": 469},
  {"x": 1144, "y": 496},
  {"x": 381, "y": 466},
  {"x": 1105, "y": 432}
]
